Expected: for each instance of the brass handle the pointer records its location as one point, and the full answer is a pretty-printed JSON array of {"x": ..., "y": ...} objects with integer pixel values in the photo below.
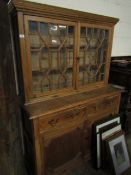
[
  {"x": 78, "y": 58},
  {"x": 53, "y": 122}
]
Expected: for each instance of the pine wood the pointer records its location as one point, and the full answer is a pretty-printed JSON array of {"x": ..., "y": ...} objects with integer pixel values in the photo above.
[
  {"x": 62, "y": 116},
  {"x": 61, "y": 13},
  {"x": 25, "y": 10},
  {"x": 55, "y": 105},
  {"x": 23, "y": 54}
]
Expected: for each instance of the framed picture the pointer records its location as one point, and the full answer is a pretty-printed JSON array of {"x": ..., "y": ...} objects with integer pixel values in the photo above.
[
  {"x": 105, "y": 133},
  {"x": 118, "y": 153},
  {"x": 104, "y": 148},
  {"x": 106, "y": 124}
]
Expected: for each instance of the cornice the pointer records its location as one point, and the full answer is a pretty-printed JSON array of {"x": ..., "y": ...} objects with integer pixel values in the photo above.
[{"x": 31, "y": 8}]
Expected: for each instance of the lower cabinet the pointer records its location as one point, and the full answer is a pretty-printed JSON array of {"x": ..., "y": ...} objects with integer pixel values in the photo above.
[
  {"x": 65, "y": 140},
  {"x": 62, "y": 139}
]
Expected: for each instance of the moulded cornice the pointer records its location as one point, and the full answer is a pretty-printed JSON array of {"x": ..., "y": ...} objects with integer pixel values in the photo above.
[{"x": 31, "y": 8}]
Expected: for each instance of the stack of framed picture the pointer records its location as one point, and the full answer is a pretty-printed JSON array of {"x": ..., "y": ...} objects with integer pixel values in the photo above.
[
  {"x": 128, "y": 114},
  {"x": 109, "y": 148}
]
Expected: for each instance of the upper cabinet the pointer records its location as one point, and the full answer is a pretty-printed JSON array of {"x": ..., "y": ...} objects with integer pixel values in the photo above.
[{"x": 61, "y": 50}]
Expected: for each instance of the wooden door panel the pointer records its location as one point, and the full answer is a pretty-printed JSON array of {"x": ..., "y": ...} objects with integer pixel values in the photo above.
[{"x": 72, "y": 145}]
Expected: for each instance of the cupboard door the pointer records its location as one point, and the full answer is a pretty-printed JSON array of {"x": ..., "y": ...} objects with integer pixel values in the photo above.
[
  {"x": 93, "y": 50},
  {"x": 51, "y": 52},
  {"x": 70, "y": 148}
]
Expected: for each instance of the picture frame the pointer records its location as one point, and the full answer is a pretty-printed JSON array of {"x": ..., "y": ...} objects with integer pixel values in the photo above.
[
  {"x": 118, "y": 153},
  {"x": 108, "y": 122},
  {"x": 104, "y": 148},
  {"x": 105, "y": 133}
]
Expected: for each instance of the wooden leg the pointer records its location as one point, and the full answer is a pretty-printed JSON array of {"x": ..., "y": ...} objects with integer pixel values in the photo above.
[{"x": 38, "y": 153}]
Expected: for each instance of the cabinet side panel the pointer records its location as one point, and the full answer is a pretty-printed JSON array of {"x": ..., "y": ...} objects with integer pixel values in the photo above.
[{"x": 24, "y": 62}]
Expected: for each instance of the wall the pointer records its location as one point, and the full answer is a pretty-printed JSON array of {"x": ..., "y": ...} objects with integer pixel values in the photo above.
[
  {"x": 114, "y": 8},
  {"x": 11, "y": 158}
]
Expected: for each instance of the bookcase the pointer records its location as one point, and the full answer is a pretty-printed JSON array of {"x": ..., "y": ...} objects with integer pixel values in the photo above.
[{"x": 63, "y": 61}]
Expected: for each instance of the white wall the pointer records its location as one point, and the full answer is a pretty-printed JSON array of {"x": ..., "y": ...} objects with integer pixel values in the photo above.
[{"x": 115, "y": 8}]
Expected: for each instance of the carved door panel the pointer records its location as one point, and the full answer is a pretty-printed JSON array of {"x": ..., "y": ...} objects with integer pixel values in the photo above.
[
  {"x": 67, "y": 149},
  {"x": 64, "y": 140}
]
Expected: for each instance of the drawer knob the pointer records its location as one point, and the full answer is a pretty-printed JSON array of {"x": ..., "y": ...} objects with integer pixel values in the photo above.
[{"x": 53, "y": 122}]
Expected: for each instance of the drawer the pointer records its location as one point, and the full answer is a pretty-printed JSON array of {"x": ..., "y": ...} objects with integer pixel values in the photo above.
[
  {"x": 109, "y": 103},
  {"x": 104, "y": 104},
  {"x": 76, "y": 116},
  {"x": 62, "y": 119}
]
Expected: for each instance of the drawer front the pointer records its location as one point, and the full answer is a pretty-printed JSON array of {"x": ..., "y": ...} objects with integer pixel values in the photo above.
[
  {"x": 109, "y": 103},
  {"x": 76, "y": 116},
  {"x": 62, "y": 119},
  {"x": 103, "y": 105}
]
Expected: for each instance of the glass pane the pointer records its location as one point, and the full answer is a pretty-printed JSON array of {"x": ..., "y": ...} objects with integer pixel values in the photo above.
[
  {"x": 63, "y": 58},
  {"x": 63, "y": 30},
  {"x": 54, "y": 76},
  {"x": 44, "y": 58},
  {"x": 81, "y": 77},
  {"x": 35, "y": 61},
  {"x": 35, "y": 41},
  {"x": 69, "y": 77},
  {"x": 62, "y": 82},
  {"x": 45, "y": 84},
  {"x": 44, "y": 28},
  {"x": 53, "y": 29},
  {"x": 52, "y": 56},
  {"x": 70, "y": 42},
  {"x": 93, "y": 43},
  {"x": 54, "y": 42},
  {"x": 33, "y": 27},
  {"x": 93, "y": 55},
  {"x": 36, "y": 82},
  {"x": 83, "y": 42},
  {"x": 83, "y": 31},
  {"x": 87, "y": 58},
  {"x": 71, "y": 30},
  {"x": 54, "y": 59},
  {"x": 70, "y": 58}
]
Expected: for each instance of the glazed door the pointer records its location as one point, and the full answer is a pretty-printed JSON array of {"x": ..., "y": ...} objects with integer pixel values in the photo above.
[
  {"x": 50, "y": 55},
  {"x": 64, "y": 55},
  {"x": 93, "y": 54}
]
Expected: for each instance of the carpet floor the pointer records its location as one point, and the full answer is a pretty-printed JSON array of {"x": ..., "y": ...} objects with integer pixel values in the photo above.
[{"x": 87, "y": 169}]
